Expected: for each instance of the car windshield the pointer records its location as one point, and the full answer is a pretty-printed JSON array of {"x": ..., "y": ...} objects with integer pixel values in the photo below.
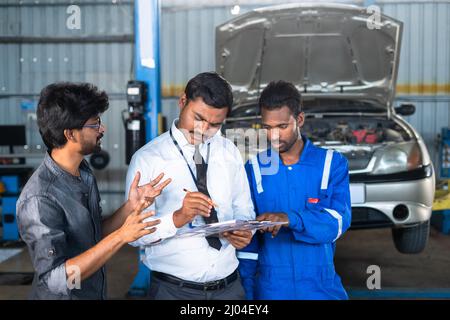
[{"x": 245, "y": 111}]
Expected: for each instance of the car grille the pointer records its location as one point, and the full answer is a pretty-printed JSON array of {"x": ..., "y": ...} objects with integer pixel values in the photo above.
[{"x": 363, "y": 218}]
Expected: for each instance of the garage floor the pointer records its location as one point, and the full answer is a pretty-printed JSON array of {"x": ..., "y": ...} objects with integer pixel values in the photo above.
[{"x": 426, "y": 275}]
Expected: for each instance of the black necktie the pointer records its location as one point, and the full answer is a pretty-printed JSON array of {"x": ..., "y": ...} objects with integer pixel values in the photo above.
[{"x": 202, "y": 168}]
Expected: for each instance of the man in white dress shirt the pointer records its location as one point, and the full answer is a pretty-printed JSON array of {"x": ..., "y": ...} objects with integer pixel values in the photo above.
[{"x": 197, "y": 158}]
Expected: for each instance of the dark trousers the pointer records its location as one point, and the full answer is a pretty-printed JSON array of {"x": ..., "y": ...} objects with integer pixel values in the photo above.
[{"x": 163, "y": 290}]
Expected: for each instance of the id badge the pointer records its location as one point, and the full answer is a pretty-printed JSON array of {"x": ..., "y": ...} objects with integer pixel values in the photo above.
[{"x": 197, "y": 222}]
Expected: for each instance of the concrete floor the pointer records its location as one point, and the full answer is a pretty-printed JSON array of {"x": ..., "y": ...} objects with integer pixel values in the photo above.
[{"x": 425, "y": 275}]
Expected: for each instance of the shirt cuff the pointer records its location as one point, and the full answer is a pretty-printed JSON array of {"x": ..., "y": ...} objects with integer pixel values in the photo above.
[
  {"x": 166, "y": 228},
  {"x": 295, "y": 221}
]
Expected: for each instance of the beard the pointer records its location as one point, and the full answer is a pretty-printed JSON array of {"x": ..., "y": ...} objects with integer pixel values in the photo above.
[
  {"x": 89, "y": 148},
  {"x": 284, "y": 146},
  {"x": 97, "y": 148}
]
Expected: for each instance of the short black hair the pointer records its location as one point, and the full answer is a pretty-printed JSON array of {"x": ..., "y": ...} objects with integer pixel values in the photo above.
[
  {"x": 278, "y": 94},
  {"x": 67, "y": 105},
  {"x": 212, "y": 88}
]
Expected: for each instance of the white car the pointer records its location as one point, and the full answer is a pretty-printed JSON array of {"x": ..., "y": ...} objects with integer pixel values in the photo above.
[{"x": 344, "y": 62}]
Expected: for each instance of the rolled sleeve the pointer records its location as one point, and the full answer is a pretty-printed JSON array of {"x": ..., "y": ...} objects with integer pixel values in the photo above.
[{"x": 40, "y": 222}]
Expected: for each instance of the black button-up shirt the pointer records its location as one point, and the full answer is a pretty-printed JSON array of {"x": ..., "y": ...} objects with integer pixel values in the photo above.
[{"x": 59, "y": 217}]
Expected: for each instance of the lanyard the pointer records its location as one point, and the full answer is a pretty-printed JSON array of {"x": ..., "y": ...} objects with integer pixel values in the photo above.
[{"x": 185, "y": 160}]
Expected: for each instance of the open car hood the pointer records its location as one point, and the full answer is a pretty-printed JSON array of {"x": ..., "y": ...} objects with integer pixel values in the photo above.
[{"x": 324, "y": 49}]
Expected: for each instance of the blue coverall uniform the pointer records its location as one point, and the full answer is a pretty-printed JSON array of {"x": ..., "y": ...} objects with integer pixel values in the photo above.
[{"x": 298, "y": 262}]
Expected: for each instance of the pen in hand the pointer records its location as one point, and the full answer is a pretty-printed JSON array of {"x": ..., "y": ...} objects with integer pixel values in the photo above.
[{"x": 211, "y": 202}]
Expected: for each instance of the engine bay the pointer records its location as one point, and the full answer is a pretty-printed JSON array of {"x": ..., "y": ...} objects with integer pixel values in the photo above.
[
  {"x": 353, "y": 131},
  {"x": 357, "y": 138}
]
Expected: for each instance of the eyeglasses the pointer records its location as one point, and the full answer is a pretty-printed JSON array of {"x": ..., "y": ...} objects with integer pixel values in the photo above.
[{"x": 94, "y": 126}]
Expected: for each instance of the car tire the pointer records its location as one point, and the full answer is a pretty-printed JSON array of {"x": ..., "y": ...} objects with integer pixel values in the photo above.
[{"x": 412, "y": 240}]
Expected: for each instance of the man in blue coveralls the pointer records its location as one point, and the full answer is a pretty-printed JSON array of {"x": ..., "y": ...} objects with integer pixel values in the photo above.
[{"x": 310, "y": 192}]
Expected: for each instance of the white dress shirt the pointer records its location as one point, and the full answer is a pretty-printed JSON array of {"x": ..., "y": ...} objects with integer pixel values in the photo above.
[{"x": 191, "y": 258}]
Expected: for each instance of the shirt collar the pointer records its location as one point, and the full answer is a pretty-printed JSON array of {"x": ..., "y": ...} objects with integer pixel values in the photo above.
[
  {"x": 306, "y": 147},
  {"x": 57, "y": 170},
  {"x": 178, "y": 135}
]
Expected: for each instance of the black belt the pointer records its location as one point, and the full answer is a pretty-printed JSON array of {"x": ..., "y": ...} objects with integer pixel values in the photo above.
[{"x": 211, "y": 285}]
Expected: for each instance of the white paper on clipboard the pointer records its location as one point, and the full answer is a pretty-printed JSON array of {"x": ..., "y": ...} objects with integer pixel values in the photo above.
[{"x": 220, "y": 227}]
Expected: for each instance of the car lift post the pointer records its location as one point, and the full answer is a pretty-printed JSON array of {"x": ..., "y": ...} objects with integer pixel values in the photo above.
[{"x": 147, "y": 68}]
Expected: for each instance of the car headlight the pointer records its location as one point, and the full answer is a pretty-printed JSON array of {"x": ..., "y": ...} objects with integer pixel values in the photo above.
[{"x": 400, "y": 157}]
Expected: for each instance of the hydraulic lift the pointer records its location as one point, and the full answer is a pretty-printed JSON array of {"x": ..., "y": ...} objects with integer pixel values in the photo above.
[
  {"x": 441, "y": 205},
  {"x": 144, "y": 101}
]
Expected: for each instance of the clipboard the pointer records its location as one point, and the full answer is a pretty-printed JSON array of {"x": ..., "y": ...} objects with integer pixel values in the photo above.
[{"x": 220, "y": 227}]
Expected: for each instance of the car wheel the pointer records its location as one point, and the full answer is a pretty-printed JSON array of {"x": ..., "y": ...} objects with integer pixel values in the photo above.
[{"x": 412, "y": 239}]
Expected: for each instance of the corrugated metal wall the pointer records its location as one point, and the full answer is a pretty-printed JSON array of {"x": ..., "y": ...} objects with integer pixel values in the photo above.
[
  {"x": 37, "y": 48},
  {"x": 424, "y": 73},
  {"x": 188, "y": 35},
  {"x": 187, "y": 48},
  {"x": 49, "y": 52}
]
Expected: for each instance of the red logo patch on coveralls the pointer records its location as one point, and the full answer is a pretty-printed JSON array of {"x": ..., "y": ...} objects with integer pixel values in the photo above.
[{"x": 313, "y": 200}]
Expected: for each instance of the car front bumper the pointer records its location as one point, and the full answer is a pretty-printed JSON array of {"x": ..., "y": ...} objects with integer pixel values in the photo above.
[{"x": 381, "y": 198}]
